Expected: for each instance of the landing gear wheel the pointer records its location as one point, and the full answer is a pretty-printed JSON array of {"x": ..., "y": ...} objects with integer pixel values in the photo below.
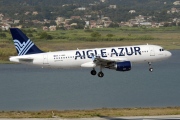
[
  {"x": 100, "y": 74},
  {"x": 150, "y": 69},
  {"x": 93, "y": 72}
]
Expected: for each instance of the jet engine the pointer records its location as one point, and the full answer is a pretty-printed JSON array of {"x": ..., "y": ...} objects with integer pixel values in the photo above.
[{"x": 122, "y": 66}]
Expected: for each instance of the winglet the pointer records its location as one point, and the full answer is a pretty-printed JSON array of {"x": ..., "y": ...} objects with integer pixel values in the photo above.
[{"x": 22, "y": 43}]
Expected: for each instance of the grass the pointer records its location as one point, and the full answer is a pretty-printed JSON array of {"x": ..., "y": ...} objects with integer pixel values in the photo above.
[
  {"x": 169, "y": 38},
  {"x": 105, "y": 112}
]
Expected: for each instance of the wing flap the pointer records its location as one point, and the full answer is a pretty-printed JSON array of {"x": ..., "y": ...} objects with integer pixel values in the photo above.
[{"x": 106, "y": 61}]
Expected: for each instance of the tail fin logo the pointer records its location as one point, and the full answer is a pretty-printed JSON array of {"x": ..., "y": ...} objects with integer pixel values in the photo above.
[{"x": 24, "y": 47}]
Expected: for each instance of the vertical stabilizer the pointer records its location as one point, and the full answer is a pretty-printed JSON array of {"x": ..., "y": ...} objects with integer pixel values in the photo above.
[{"x": 22, "y": 43}]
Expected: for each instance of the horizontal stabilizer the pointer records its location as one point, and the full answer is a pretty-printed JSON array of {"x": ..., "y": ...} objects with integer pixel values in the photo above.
[{"x": 20, "y": 59}]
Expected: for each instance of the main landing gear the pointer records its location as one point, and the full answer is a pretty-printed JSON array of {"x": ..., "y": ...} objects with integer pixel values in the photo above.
[
  {"x": 100, "y": 74},
  {"x": 93, "y": 72},
  {"x": 150, "y": 67}
]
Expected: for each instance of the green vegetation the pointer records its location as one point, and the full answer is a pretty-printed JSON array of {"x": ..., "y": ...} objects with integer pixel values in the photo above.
[
  {"x": 44, "y": 35},
  {"x": 168, "y": 37},
  {"x": 109, "y": 35},
  {"x": 105, "y": 112},
  {"x": 2, "y": 35},
  {"x": 95, "y": 34}
]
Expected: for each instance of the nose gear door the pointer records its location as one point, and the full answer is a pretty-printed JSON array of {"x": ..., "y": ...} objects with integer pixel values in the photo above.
[{"x": 151, "y": 49}]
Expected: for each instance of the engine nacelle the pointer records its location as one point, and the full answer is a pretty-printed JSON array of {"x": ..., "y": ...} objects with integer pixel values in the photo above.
[{"x": 123, "y": 66}]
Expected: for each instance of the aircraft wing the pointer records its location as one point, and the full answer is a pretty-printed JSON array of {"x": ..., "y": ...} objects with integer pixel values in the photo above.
[
  {"x": 104, "y": 62},
  {"x": 107, "y": 61}
]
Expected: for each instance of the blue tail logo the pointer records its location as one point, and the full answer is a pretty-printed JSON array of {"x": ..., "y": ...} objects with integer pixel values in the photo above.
[
  {"x": 23, "y": 44},
  {"x": 24, "y": 47}
]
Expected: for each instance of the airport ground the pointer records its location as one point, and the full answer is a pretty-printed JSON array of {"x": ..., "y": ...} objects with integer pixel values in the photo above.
[
  {"x": 168, "y": 117},
  {"x": 100, "y": 113}
]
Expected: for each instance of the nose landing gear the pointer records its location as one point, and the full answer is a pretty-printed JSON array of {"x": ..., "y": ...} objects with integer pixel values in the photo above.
[{"x": 150, "y": 67}]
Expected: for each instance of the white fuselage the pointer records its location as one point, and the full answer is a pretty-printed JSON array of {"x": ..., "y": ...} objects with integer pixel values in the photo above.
[{"x": 76, "y": 58}]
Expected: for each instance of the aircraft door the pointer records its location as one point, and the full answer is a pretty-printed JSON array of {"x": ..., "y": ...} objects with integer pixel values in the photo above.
[
  {"x": 45, "y": 59},
  {"x": 152, "y": 53}
]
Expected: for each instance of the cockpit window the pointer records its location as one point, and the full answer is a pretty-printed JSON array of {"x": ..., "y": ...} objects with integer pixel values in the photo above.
[{"x": 161, "y": 49}]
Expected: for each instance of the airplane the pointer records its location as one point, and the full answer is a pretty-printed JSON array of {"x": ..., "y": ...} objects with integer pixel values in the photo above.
[{"x": 115, "y": 58}]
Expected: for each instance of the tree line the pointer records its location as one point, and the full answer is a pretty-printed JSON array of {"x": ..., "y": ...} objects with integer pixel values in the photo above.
[{"x": 50, "y": 9}]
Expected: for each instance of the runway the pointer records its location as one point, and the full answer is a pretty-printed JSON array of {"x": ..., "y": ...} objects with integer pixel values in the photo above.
[{"x": 166, "y": 117}]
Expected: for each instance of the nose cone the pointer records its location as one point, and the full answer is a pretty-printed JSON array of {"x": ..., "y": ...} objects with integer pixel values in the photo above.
[{"x": 168, "y": 54}]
